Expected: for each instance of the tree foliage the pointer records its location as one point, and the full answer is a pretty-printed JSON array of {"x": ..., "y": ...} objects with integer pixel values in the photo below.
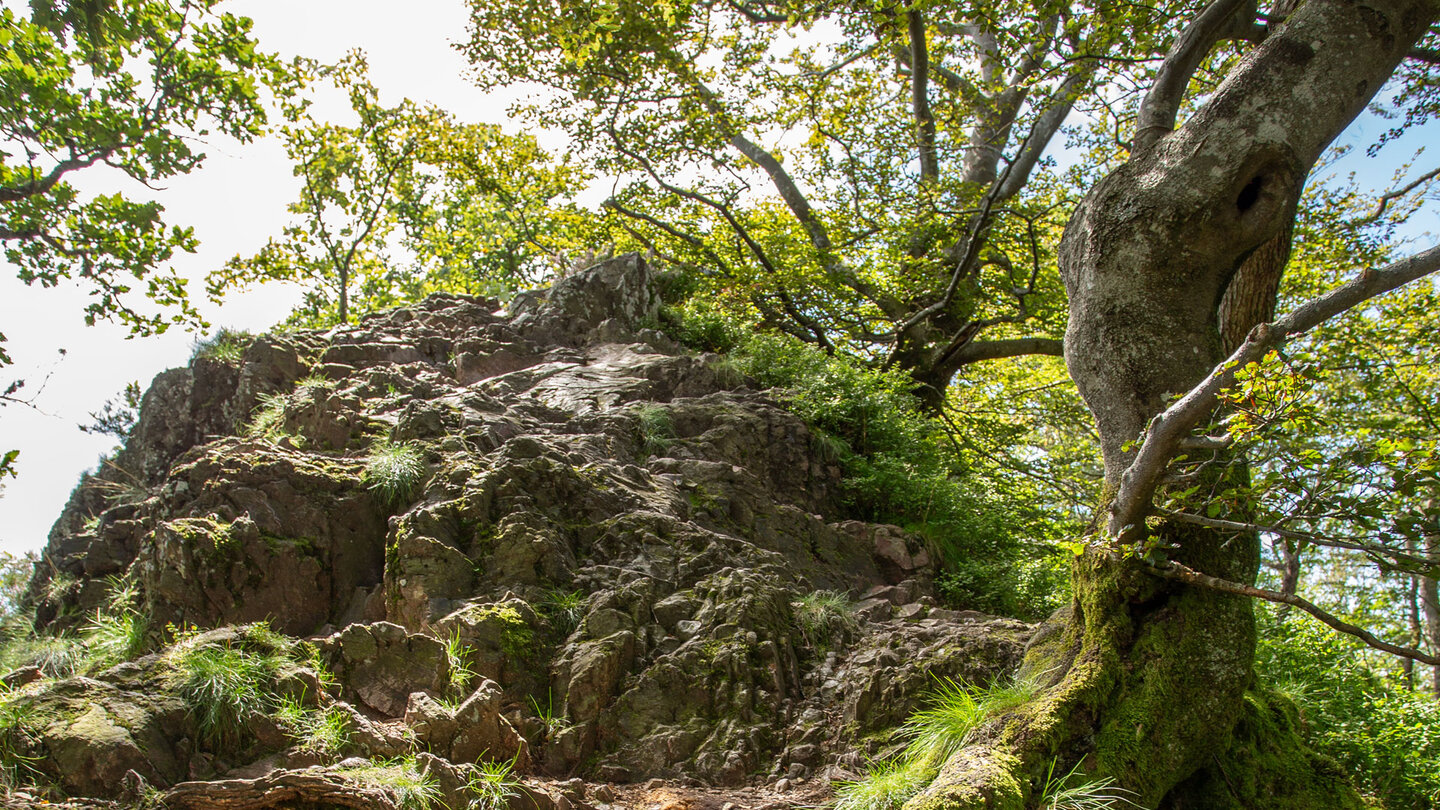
[{"x": 401, "y": 201}]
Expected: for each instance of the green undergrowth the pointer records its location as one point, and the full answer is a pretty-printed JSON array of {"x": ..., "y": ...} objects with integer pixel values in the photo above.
[
  {"x": 225, "y": 346},
  {"x": 899, "y": 464},
  {"x": 491, "y": 785},
  {"x": 826, "y": 619},
  {"x": 1385, "y": 735},
  {"x": 119, "y": 631},
  {"x": 950, "y": 715}
]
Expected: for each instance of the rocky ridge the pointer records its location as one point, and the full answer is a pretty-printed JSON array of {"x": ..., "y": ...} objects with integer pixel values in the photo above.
[{"x": 600, "y": 571}]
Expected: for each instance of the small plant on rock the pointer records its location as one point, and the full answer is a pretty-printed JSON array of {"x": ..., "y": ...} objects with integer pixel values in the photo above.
[
  {"x": 656, "y": 428},
  {"x": 826, "y": 619},
  {"x": 394, "y": 470},
  {"x": 951, "y": 715},
  {"x": 225, "y": 346},
  {"x": 267, "y": 422},
  {"x": 564, "y": 610},
  {"x": 401, "y": 778},
  {"x": 1067, "y": 793},
  {"x": 226, "y": 684},
  {"x": 461, "y": 674},
  {"x": 491, "y": 784},
  {"x": 324, "y": 732}
]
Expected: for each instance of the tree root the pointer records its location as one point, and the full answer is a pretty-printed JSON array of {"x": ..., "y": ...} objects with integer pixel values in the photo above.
[{"x": 279, "y": 789}]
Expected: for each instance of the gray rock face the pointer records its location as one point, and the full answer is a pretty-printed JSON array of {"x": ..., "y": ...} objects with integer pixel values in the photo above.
[{"x": 599, "y": 569}]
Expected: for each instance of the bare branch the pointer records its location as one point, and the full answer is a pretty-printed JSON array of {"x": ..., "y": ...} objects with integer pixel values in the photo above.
[
  {"x": 920, "y": 99},
  {"x": 1179, "y": 573},
  {"x": 1044, "y": 131},
  {"x": 978, "y": 351},
  {"x": 1162, "y": 103},
  {"x": 1391, "y": 196},
  {"x": 1164, "y": 433}
]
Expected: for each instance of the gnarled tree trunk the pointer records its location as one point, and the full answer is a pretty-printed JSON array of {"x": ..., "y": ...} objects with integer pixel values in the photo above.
[{"x": 1147, "y": 679}]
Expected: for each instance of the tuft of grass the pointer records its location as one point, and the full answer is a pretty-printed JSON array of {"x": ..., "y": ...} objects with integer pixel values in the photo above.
[
  {"x": 224, "y": 684},
  {"x": 119, "y": 631},
  {"x": 324, "y": 732},
  {"x": 950, "y": 717},
  {"x": 564, "y": 610},
  {"x": 17, "y": 765},
  {"x": 491, "y": 784},
  {"x": 226, "y": 346},
  {"x": 656, "y": 429},
  {"x": 313, "y": 384},
  {"x": 394, "y": 470},
  {"x": 826, "y": 619},
  {"x": 1067, "y": 793},
  {"x": 887, "y": 786},
  {"x": 267, "y": 422},
  {"x": 401, "y": 778},
  {"x": 461, "y": 674},
  {"x": 953, "y": 712}
]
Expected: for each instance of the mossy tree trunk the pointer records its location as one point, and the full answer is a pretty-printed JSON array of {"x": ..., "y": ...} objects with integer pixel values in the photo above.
[{"x": 1147, "y": 678}]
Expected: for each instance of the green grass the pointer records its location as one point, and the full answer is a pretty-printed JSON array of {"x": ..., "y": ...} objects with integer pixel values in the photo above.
[
  {"x": 657, "y": 430},
  {"x": 933, "y": 734},
  {"x": 1068, "y": 792},
  {"x": 491, "y": 784},
  {"x": 826, "y": 619},
  {"x": 564, "y": 610},
  {"x": 401, "y": 778},
  {"x": 325, "y": 732},
  {"x": 226, "y": 346},
  {"x": 461, "y": 674},
  {"x": 225, "y": 684},
  {"x": 267, "y": 421},
  {"x": 56, "y": 656},
  {"x": 394, "y": 471},
  {"x": 887, "y": 786},
  {"x": 17, "y": 765}
]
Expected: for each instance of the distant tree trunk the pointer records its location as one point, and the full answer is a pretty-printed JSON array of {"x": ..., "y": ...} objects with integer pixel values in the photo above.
[
  {"x": 1429, "y": 592},
  {"x": 344, "y": 294},
  {"x": 1289, "y": 570},
  {"x": 1144, "y": 679}
]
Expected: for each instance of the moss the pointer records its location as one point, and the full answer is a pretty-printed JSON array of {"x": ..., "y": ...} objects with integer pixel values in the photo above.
[
  {"x": 986, "y": 781},
  {"x": 1267, "y": 766}
]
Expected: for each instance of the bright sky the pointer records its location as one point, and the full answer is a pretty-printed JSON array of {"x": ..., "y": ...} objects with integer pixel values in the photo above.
[{"x": 234, "y": 203}]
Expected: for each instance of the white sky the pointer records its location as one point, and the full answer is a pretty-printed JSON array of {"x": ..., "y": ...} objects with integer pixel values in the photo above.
[{"x": 234, "y": 203}]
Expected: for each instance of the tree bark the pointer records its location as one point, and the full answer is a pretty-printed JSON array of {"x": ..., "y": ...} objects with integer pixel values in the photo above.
[{"x": 1145, "y": 680}]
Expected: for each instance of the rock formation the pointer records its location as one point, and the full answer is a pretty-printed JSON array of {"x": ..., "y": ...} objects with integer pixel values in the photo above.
[{"x": 549, "y": 536}]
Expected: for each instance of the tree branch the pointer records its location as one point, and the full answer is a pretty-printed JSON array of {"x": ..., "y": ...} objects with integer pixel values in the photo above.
[
  {"x": 1179, "y": 573},
  {"x": 979, "y": 351},
  {"x": 1134, "y": 495},
  {"x": 1162, "y": 103},
  {"x": 920, "y": 99}
]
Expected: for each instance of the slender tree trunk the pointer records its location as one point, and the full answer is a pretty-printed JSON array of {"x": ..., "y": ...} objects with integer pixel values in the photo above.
[
  {"x": 1429, "y": 590},
  {"x": 1412, "y": 615},
  {"x": 344, "y": 295}
]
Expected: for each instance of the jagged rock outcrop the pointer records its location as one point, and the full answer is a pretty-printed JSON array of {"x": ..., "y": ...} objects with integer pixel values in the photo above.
[{"x": 592, "y": 565}]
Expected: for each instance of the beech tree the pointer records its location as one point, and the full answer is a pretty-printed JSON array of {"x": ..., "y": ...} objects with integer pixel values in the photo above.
[{"x": 915, "y": 223}]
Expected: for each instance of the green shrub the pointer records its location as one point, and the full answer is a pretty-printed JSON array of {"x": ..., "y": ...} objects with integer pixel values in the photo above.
[
  {"x": 225, "y": 346},
  {"x": 394, "y": 471}
]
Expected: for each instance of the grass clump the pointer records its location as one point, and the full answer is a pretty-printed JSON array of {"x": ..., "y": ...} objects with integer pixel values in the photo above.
[
  {"x": 826, "y": 619},
  {"x": 324, "y": 732},
  {"x": 225, "y": 346},
  {"x": 657, "y": 429},
  {"x": 491, "y": 784},
  {"x": 226, "y": 683},
  {"x": 951, "y": 715},
  {"x": 17, "y": 764},
  {"x": 461, "y": 673},
  {"x": 401, "y": 778},
  {"x": 1067, "y": 792},
  {"x": 119, "y": 631},
  {"x": 394, "y": 470},
  {"x": 564, "y": 610},
  {"x": 267, "y": 421}
]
